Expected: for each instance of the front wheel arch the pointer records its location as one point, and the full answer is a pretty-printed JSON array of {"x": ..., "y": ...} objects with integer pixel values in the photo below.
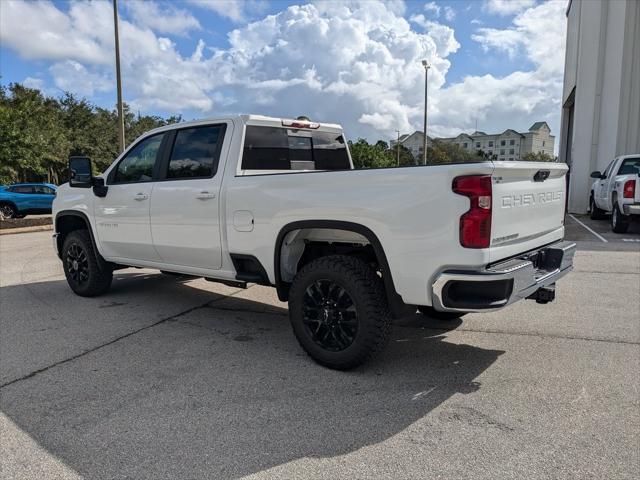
[{"x": 68, "y": 221}]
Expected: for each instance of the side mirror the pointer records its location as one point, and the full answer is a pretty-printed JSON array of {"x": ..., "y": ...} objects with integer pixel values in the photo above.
[
  {"x": 80, "y": 175},
  {"x": 596, "y": 174}
]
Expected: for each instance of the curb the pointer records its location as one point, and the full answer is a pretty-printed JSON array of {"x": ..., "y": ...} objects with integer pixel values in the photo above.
[{"x": 35, "y": 228}]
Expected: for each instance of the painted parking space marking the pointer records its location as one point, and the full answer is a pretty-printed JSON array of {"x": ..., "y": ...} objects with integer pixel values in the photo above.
[
  {"x": 590, "y": 230},
  {"x": 631, "y": 240}
]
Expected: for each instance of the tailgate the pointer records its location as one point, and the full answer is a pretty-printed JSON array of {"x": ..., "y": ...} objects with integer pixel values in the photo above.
[{"x": 528, "y": 206}]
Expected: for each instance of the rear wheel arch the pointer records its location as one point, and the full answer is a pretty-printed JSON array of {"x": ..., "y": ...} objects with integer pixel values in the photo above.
[{"x": 374, "y": 248}]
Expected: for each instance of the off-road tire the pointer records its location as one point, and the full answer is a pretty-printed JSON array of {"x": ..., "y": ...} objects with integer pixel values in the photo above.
[
  {"x": 595, "y": 213},
  {"x": 94, "y": 280},
  {"x": 444, "y": 316},
  {"x": 619, "y": 222},
  {"x": 366, "y": 291}
]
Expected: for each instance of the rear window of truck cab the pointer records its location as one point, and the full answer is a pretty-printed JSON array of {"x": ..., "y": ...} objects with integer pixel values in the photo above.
[
  {"x": 281, "y": 148},
  {"x": 630, "y": 166}
]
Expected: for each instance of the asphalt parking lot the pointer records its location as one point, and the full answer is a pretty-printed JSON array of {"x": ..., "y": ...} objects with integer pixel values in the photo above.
[{"x": 163, "y": 378}]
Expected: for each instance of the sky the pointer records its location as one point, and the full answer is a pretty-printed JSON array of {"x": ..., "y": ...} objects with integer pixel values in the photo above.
[{"x": 496, "y": 64}]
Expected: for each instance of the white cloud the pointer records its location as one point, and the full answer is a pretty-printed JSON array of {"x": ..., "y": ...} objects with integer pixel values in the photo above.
[
  {"x": 522, "y": 97},
  {"x": 432, "y": 7},
  {"x": 234, "y": 10},
  {"x": 449, "y": 13},
  {"x": 443, "y": 35},
  {"x": 33, "y": 82},
  {"x": 169, "y": 20},
  {"x": 539, "y": 32},
  {"x": 436, "y": 11},
  {"x": 357, "y": 63},
  {"x": 40, "y": 30},
  {"x": 71, "y": 76},
  {"x": 507, "y": 7}
]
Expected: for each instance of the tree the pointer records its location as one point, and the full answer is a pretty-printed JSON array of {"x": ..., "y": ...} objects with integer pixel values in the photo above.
[
  {"x": 486, "y": 156},
  {"x": 538, "y": 157},
  {"x": 378, "y": 155},
  {"x": 39, "y": 133},
  {"x": 32, "y": 138},
  {"x": 441, "y": 152}
]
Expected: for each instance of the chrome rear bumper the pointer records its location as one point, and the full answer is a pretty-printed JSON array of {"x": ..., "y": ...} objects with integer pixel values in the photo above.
[
  {"x": 631, "y": 209},
  {"x": 503, "y": 283}
]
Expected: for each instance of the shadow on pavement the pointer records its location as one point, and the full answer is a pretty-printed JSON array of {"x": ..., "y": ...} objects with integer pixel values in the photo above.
[{"x": 224, "y": 391}]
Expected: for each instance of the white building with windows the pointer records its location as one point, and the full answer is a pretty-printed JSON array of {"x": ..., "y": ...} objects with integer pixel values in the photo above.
[
  {"x": 414, "y": 142},
  {"x": 601, "y": 94},
  {"x": 508, "y": 145}
]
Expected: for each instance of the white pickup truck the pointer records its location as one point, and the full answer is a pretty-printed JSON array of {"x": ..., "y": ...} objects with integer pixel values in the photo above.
[
  {"x": 252, "y": 199},
  {"x": 617, "y": 190}
]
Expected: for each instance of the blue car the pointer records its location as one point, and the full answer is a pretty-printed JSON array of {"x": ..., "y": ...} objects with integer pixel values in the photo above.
[{"x": 21, "y": 199}]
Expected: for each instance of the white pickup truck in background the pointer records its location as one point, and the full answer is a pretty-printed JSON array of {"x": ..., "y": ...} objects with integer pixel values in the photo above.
[
  {"x": 252, "y": 199},
  {"x": 617, "y": 190}
]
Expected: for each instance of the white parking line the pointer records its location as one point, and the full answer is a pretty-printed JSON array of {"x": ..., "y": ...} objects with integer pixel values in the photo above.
[{"x": 595, "y": 233}]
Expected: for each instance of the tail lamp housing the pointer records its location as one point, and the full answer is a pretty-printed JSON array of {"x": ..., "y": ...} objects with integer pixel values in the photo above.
[
  {"x": 629, "y": 190},
  {"x": 475, "y": 223}
]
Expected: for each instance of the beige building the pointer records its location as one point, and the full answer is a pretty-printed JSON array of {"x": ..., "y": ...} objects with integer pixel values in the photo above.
[
  {"x": 601, "y": 94},
  {"x": 508, "y": 145},
  {"x": 414, "y": 142}
]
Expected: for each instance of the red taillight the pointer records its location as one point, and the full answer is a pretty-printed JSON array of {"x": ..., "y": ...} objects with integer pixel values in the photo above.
[
  {"x": 629, "y": 189},
  {"x": 475, "y": 224}
]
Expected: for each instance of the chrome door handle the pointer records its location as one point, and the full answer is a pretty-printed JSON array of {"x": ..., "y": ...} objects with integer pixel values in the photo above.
[
  {"x": 141, "y": 196},
  {"x": 205, "y": 195}
]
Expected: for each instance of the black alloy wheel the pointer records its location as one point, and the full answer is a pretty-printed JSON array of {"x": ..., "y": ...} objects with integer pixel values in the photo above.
[
  {"x": 339, "y": 312},
  {"x": 77, "y": 264},
  {"x": 7, "y": 211},
  {"x": 329, "y": 315}
]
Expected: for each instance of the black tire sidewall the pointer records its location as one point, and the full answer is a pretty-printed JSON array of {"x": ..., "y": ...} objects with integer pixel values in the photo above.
[{"x": 368, "y": 325}]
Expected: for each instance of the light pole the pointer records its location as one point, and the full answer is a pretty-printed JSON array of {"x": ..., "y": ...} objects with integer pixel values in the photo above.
[
  {"x": 118, "y": 79},
  {"x": 426, "y": 75},
  {"x": 398, "y": 148}
]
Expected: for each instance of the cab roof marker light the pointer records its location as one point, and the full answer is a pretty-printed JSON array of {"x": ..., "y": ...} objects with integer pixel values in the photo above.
[{"x": 299, "y": 124}]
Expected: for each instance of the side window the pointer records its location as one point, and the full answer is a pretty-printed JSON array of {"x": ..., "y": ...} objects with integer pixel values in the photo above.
[
  {"x": 196, "y": 152},
  {"x": 273, "y": 148},
  {"x": 22, "y": 189},
  {"x": 330, "y": 151},
  {"x": 266, "y": 148},
  {"x": 137, "y": 166},
  {"x": 43, "y": 189}
]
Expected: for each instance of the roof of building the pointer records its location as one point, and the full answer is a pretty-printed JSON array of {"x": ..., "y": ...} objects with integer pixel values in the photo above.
[
  {"x": 538, "y": 126},
  {"x": 512, "y": 130},
  {"x": 406, "y": 137},
  {"x": 478, "y": 133}
]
